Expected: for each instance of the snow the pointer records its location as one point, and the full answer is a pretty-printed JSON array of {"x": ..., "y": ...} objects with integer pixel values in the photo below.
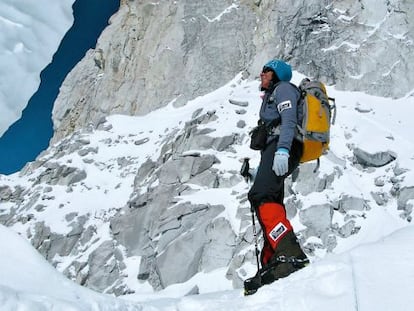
[
  {"x": 28, "y": 282},
  {"x": 371, "y": 270},
  {"x": 372, "y": 276},
  {"x": 352, "y": 47},
  {"x": 219, "y": 16},
  {"x": 29, "y": 36}
]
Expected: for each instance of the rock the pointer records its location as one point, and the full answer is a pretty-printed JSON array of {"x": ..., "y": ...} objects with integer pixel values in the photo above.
[
  {"x": 86, "y": 151},
  {"x": 292, "y": 205},
  {"x": 5, "y": 193},
  {"x": 379, "y": 181},
  {"x": 176, "y": 171},
  {"x": 184, "y": 168},
  {"x": 141, "y": 141},
  {"x": 241, "y": 124},
  {"x": 188, "y": 246},
  {"x": 329, "y": 241},
  {"x": 348, "y": 203},
  {"x": 196, "y": 113},
  {"x": 363, "y": 110},
  {"x": 348, "y": 229},
  {"x": 373, "y": 160},
  {"x": 104, "y": 271},
  {"x": 398, "y": 170},
  {"x": 145, "y": 169},
  {"x": 306, "y": 173},
  {"x": 239, "y": 102},
  {"x": 228, "y": 180},
  {"x": 203, "y": 163},
  {"x": 380, "y": 198},
  {"x": 194, "y": 291},
  {"x": 208, "y": 179},
  {"x": 63, "y": 175},
  {"x": 40, "y": 235},
  {"x": 405, "y": 195},
  {"x": 219, "y": 246}
]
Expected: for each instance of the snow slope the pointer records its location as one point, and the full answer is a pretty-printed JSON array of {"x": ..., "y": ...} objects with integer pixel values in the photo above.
[
  {"x": 374, "y": 276},
  {"x": 28, "y": 282},
  {"x": 371, "y": 270}
]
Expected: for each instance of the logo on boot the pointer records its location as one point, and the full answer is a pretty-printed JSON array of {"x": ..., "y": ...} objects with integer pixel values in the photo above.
[{"x": 277, "y": 231}]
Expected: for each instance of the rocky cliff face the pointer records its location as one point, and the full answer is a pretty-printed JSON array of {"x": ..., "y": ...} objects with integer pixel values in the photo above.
[{"x": 154, "y": 53}]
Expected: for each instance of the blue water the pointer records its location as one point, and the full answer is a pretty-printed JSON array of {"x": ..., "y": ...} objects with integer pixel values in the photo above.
[{"x": 30, "y": 135}]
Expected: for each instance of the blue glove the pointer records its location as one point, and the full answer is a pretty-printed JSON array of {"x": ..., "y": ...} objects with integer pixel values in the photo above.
[{"x": 281, "y": 161}]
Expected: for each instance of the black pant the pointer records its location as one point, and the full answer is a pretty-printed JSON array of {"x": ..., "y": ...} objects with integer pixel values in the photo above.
[{"x": 267, "y": 186}]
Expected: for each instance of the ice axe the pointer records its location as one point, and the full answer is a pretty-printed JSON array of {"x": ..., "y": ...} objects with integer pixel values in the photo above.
[{"x": 244, "y": 171}]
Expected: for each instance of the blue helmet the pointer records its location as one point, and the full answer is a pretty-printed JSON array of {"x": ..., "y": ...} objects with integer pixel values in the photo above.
[{"x": 280, "y": 68}]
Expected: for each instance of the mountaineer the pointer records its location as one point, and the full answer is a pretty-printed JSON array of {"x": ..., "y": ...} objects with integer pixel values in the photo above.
[{"x": 275, "y": 137}]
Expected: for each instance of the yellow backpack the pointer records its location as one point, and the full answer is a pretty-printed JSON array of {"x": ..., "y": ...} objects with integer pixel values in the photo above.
[{"x": 314, "y": 131}]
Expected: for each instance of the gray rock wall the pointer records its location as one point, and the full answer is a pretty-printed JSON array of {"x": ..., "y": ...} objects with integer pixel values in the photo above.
[
  {"x": 156, "y": 53},
  {"x": 153, "y": 54}
]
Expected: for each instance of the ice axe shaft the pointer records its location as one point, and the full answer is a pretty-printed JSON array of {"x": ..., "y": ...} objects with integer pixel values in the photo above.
[
  {"x": 244, "y": 171},
  {"x": 256, "y": 244}
]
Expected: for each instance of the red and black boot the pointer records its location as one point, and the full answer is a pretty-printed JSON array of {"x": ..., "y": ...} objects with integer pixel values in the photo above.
[
  {"x": 281, "y": 254},
  {"x": 288, "y": 258}
]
